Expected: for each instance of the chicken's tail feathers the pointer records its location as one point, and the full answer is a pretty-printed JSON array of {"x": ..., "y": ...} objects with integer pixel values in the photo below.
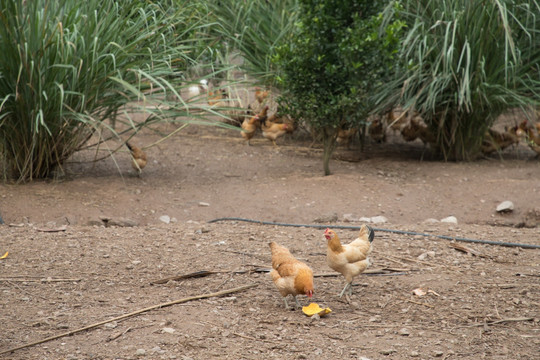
[
  {"x": 371, "y": 235},
  {"x": 367, "y": 231}
]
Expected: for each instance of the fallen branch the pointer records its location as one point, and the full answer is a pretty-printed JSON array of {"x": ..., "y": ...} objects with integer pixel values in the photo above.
[
  {"x": 494, "y": 322},
  {"x": 58, "y": 229},
  {"x": 467, "y": 250},
  {"x": 39, "y": 280},
  {"x": 180, "y": 301},
  {"x": 204, "y": 273}
]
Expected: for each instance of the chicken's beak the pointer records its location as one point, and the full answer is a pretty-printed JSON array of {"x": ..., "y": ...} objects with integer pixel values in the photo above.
[{"x": 310, "y": 294}]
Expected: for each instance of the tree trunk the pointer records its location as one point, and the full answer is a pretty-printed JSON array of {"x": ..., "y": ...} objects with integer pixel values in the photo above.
[{"x": 329, "y": 145}]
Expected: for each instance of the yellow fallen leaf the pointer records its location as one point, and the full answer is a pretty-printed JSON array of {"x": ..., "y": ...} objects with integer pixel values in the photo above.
[
  {"x": 313, "y": 309},
  {"x": 5, "y": 255}
]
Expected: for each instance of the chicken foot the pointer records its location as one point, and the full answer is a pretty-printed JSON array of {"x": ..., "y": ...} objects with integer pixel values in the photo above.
[
  {"x": 349, "y": 286},
  {"x": 297, "y": 305}
]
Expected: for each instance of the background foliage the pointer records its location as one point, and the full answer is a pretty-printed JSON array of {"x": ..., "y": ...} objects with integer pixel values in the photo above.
[
  {"x": 69, "y": 66},
  {"x": 335, "y": 60},
  {"x": 463, "y": 63}
]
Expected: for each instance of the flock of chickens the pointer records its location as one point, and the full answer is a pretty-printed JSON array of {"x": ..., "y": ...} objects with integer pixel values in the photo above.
[
  {"x": 411, "y": 126},
  {"x": 293, "y": 277},
  {"x": 253, "y": 118}
]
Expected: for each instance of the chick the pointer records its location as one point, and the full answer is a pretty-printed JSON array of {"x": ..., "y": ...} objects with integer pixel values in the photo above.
[{"x": 138, "y": 158}]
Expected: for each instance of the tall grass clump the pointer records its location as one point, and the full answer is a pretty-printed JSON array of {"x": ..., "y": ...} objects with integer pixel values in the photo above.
[
  {"x": 255, "y": 29},
  {"x": 69, "y": 66},
  {"x": 464, "y": 62}
]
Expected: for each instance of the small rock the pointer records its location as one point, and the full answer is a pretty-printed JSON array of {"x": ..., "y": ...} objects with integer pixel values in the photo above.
[
  {"x": 326, "y": 218},
  {"x": 111, "y": 325},
  {"x": 387, "y": 351},
  {"x": 315, "y": 318},
  {"x": 168, "y": 330},
  {"x": 532, "y": 218},
  {"x": 404, "y": 332},
  {"x": 165, "y": 218},
  {"x": 140, "y": 352},
  {"x": 157, "y": 350},
  {"x": 350, "y": 218},
  {"x": 122, "y": 222},
  {"x": 415, "y": 354},
  {"x": 431, "y": 221},
  {"x": 439, "y": 353},
  {"x": 95, "y": 222},
  {"x": 205, "y": 204},
  {"x": 379, "y": 220},
  {"x": 505, "y": 206},
  {"x": 450, "y": 220}
]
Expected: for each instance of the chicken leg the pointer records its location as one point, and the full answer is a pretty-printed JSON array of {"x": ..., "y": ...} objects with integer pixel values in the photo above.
[
  {"x": 298, "y": 305},
  {"x": 349, "y": 286}
]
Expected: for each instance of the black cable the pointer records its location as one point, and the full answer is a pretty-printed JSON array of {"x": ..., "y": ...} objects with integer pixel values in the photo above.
[{"x": 488, "y": 242}]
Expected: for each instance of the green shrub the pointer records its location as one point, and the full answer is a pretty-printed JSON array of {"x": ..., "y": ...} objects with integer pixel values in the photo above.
[{"x": 333, "y": 63}]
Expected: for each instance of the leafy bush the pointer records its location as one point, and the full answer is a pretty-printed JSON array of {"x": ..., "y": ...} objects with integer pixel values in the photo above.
[
  {"x": 333, "y": 63},
  {"x": 68, "y": 66},
  {"x": 464, "y": 63}
]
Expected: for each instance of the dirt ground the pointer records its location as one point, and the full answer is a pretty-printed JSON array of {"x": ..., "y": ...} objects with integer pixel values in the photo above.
[{"x": 91, "y": 246}]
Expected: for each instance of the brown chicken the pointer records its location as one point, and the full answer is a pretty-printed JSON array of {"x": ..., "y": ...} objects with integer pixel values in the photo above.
[
  {"x": 261, "y": 95},
  {"x": 344, "y": 136},
  {"x": 250, "y": 125},
  {"x": 377, "y": 130},
  {"x": 351, "y": 259},
  {"x": 138, "y": 157},
  {"x": 272, "y": 130},
  {"x": 532, "y": 139},
  {"x": 498, "y": 141},
  {"x": 290, "y": 275}
]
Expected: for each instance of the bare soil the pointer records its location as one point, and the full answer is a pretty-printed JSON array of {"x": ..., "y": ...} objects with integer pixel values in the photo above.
[{"x": 90, "y": 247}]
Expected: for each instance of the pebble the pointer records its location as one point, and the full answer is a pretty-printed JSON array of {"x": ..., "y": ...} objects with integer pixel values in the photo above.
[
  {"x": 330, "y": 218},
  {"x": 165, "y": 218},
  {"x": 404, "y": 332},
  {"x": 379, "y": 220},
  {"x": 387, "y": 351},
  {"x": 439, "y": 353},
  {"x": 505, "y": 206},
  {"x": 415, "y": 354},
  {"x": 450, "y": 220},
  {"x": 204, "y": 204},
  {"x": 140, "y": 352},
  {"x": 168, "y": 330}
]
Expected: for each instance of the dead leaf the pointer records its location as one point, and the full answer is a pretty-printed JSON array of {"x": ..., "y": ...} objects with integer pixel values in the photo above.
[{"x": 5, "y": 255}]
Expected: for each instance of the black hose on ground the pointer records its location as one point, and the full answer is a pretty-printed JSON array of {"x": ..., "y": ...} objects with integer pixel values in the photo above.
[{"x": 488, "y": 242}]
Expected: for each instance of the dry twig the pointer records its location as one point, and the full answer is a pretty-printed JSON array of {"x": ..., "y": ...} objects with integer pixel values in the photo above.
[{"x": 159, "y": 306}]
